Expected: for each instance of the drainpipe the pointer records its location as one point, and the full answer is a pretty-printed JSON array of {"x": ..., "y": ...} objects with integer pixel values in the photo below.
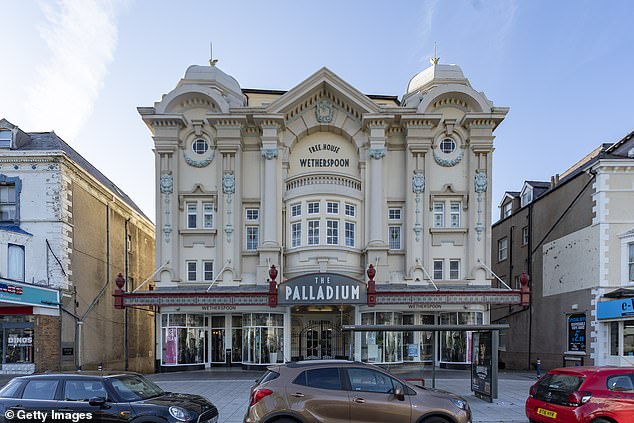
[
  {"x": 530, "y": 283},
  {"x": 125, "y": 311}
]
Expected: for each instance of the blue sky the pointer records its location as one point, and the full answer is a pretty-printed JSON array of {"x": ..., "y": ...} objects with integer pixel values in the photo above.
[{"x": 81, "y": 67}]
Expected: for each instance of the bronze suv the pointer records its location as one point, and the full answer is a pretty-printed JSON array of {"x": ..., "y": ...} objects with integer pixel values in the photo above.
[{"x": 337, "y": 391}]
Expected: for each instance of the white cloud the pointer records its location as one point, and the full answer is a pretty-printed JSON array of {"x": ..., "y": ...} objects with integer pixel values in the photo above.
[{"x": 81, "y": 36}]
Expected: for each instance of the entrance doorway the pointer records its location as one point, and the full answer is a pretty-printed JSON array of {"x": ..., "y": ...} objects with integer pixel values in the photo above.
[{"x": 316, "y": 332}]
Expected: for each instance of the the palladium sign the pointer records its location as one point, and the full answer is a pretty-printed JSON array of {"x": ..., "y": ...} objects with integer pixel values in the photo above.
[{"x": 322, "y": 288}]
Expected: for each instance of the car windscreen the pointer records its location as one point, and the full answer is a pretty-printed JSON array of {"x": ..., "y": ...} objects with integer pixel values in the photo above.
[
  {"x": 555, "y": 388},
  {"x": 135, "y": 388}
]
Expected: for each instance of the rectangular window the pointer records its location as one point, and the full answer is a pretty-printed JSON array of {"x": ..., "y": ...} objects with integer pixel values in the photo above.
[
  {"x": 614, "y": 338},
  {"x": 350, "y": 210},
  {"x": 253, "y": 237},
  {"x": 454, "y": 214},
  {"x": 508, "y": 209},
  {"x": 439, "y": 215},
  {"x": 296, "y": 210},
  {"x": 296, "y": 234},
  {"x": 503, "y": 249},
  {"x": 313, "y": 232},
  {"x": 394, "y": 233},
  {"x": 252, "y": 214},
  {"x": 350, "y": 234},
  {"x": 332, "y": 207},
  {"x": 208, "y": 269},
  {"x": 192, "y": 272},
  {"x": 8, "y": 203},
  {"x": 631, "y": 260},
  {"x": 454, "y": 269},
  {"x": 192, "y": 215},
  {"x": 628, "y": 338},
  {"x": 332, "y": 232},
  {"x": 16, "y": 262},
  {"x": 394, "y": 214},
  {"x": 6, "y": 135},
  {"x": 438, "y": 270},
  {"x": 208, "y": 215},
  {"x": 313, "y": 207},
  {"x": 525, "y": 235}
]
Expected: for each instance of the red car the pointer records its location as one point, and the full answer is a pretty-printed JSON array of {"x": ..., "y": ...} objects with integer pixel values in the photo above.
[{"x": 583, "y": 395}]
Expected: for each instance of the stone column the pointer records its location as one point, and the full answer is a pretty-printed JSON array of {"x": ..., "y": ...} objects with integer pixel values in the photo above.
[
  {"x": 376, "y": 153},
  {"x": 269, "y": 199}
]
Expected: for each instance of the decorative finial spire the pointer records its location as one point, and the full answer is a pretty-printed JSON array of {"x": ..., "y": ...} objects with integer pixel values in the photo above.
[
  {"x": 212, "y": 61},
  {"x": 434, "y": 60}
]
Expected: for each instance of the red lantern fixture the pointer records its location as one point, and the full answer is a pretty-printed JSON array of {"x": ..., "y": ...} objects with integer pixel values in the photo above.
[
  {"x": 525, "y": 292},
  {"x": 272, "y": 286},
  {"x": 118, "y": 293},
  {"x": 371, "y": 272}
]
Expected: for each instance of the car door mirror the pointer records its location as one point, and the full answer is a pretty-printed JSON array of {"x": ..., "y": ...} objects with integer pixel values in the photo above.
[
  {"x": 97, "y": 401},
  {"x": 399, "y": 394}
]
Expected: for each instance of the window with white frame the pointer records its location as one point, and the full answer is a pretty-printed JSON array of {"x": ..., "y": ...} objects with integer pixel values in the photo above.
[
  {"x": 438, "y": 269},
  {"x": 208, "y": 215},
  {"x": 507, "y": 209},
  {"x": 503, "y": 249},
  {"x": 439, "y": 215},
  {"x": 350, "y": 234},
  {"x": 313, "y": 207},
  {"x": 527, "y": 197},
  {"x": 6, "y": 136},
  {"x": 296, "y": 234},
  {"x": 313, "y": 232},
  {"x": 454, "y": 214},
  {"x": 252, "y": 214},
  {"x": 15, "y": 269},
  {"x": 525, "y": 235},
  {"x": 332, "y": 207},
  {"x": 8, "y": 203},
  {"x": 630, "y": 264},
  {"x": 332, "y": 232},
  {"x": 454, "y": 269},
  {"x": 394, "y": 235},
  {"x": 192, "y": 271},
  {"x": 253, "y": 237},
  {"x": 394, "y": 214},
  {"x": 296, "y": 210},
  {"x": 208, "y": 270},
  {"x": 192, "y": 215},
  {"x": 351, "y": 210}
]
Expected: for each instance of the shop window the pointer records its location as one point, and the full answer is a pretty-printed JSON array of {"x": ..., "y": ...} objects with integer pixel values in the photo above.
[
  {"x": 503, "y": 249},
  {"x": 236, "y": 339},
  {"x": 628, "y": 338},
  {"x": 332, "y": 232},
  {"x": 19, "y": 345},
  {"x": 394, "y": 234},
  {"x": 614, "y": 338},
  {"x": 350, "y": 234},
  {"x": 385, "y": 346},
  {"x": 438, "y": 269},
  {"x": 16, "y": 262},
  {"x": 262, "y": 338},
  {"x": 184, "y": 339},
  {"x": 218, "y": 339},
  {"x": 296, "y": 234},
  {"x": 455, "y": 345}
]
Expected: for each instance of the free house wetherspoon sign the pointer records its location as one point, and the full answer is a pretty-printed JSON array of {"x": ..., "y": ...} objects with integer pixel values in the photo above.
[{"x": 322, "y": 288}]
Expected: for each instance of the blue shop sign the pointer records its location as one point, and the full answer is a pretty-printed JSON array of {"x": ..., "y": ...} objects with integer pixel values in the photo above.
[
  {"x": 615, "y": 309},
  {"x": 21, "y": 293}
]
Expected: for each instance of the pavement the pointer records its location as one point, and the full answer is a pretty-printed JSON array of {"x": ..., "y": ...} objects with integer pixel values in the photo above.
[{"x": 228, "y": 390}]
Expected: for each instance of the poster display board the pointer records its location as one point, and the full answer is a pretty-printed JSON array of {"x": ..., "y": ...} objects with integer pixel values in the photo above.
[
  {"x": 482, "y": 366},
  {"x": 577, "y": 332}
]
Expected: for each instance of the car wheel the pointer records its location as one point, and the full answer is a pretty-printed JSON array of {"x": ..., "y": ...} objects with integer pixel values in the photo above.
[
  {"x": 600, "y": 421},
  {"x": 435, "y": 419},
  {"x": 284, "y": 420}
]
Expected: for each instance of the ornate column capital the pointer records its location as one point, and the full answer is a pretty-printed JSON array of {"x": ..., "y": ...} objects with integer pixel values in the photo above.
[
  {"x": 269, "y": 152},
  {"x": 377, "y": 153}
]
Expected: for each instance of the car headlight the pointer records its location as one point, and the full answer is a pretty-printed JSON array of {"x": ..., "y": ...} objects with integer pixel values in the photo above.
[
  {"x": 459, "y": 403},
  {"x": 179, "y": 414}
]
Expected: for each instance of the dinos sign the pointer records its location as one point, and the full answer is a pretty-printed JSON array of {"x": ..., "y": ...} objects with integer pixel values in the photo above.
[{"x": 322, "y": 288}]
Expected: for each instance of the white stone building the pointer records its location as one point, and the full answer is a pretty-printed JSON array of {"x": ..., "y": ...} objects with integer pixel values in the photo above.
[{"x": 320, "y": 181}]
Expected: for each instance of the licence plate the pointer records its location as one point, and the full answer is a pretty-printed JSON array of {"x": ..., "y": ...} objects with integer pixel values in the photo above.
[{"x": 547, "y": 413}]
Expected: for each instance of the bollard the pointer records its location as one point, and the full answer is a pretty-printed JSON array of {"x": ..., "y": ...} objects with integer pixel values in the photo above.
[{"x": 538, "y": 367}]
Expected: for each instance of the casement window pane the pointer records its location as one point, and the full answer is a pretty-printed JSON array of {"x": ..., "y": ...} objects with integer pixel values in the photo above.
[
  {"x": 296, "y": 234},
  {"x": 252, "y": 214},
  {"x": 313, "y": 232},
  {"x": 253, "y": 237},
  {"x": 5, "y": 138},
  {"x": 209, "y": 270},
  {"x": 208, "y": 215},
  {"x": 439, "y": 215},
  {"x": 631, "y": 260},
  {"x": 313, "y": 208},
  {"x": 502, "y": 249},
  {"x": 332, "y": 232},
  {"x": 7, "y": 194},
  {"x": 16, "y": 262},
  {"x": 350, "y": 210},
  {"x": 394, "y": 237},
  {"x": 191, "y": 271},
  {"x": 508, "y": 208},
  {"x": 332, "y": 207},
  {"x": 296, "y": 210},
  {"x": 7, "y": 213},
  {"x": 455, "y": 215},
  {"x": 525, "y": 235},
  {"x": 438, "y": 269},
  {"x": 454, "y": 269},
  {"x": 394, "y": 214},
  {"x": 350, "y": 234},
  {"x": 192, "y": 212}
]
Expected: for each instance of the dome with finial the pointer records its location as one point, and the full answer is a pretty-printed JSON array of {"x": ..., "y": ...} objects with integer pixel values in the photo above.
[
  {"x": 436, "y": 74},
  {"x": 205, "y": 74}
]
